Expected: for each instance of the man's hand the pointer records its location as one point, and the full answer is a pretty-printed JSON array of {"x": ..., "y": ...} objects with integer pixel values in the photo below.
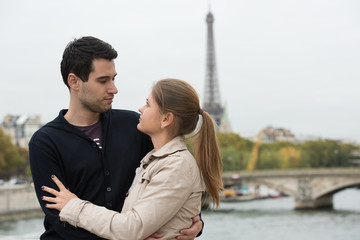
[
  {"x": 155, "y": 236},
  {"x": 193, "y": 231}
]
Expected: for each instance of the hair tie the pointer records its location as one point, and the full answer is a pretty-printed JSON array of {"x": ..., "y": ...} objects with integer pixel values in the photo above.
[{"x": 201, "y": 111}]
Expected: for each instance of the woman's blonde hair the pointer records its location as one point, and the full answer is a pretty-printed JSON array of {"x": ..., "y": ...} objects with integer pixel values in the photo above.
[{"x": 181, "y": 99}]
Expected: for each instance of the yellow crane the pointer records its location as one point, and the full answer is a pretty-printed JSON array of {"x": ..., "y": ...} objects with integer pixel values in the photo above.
[{"x": 255, "y": 151}]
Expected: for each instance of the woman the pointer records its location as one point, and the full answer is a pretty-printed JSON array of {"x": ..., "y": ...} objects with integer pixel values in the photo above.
[{"x": 169, "y": 183}]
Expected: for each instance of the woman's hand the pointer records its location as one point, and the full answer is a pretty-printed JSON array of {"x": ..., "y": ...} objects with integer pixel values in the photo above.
[{"x": 61, "y": 198}]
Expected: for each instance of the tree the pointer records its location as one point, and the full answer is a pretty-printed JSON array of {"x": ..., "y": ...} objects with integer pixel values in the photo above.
[
  {"x": 235, "y": 151},
  {"x": 269, "y": 159},
  {"x": 24, "y": 169},
  {"x": 278, "y": 155},
  {"x": 290, "y": 157},
  {"x": 10, "y": 157},
  {"x": 233, "y": 139},
  {"x": 326, "y": 153}
]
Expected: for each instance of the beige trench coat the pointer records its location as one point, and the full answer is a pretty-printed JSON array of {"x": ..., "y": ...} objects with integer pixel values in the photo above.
[{"x": 164, "y": 197}]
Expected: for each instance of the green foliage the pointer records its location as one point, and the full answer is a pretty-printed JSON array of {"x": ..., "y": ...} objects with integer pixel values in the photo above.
[
  {"x": 232, "y": 139},
  {"x": 233, "y": 159},
  {"x": 235, "y": 152},
  {"x": 10, "y": 157},
  {"x": 269, "y": 159},
  {"x": 24, "y": 169},
  {"x": 327, "y": 153}
]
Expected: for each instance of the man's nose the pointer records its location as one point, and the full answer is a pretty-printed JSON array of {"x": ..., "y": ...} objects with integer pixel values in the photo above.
[{"x": 113, "y": 89}]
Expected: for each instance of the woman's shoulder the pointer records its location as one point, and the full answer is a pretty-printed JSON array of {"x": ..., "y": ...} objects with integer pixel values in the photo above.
[{"x": 183, "y": 163}]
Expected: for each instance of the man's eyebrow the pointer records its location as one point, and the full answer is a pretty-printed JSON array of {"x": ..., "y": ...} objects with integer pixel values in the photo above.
[{"x": 106, "y": 77}]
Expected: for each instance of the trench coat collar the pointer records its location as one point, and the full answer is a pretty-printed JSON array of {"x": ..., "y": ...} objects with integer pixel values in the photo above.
[{"x": 175, "y": 145}]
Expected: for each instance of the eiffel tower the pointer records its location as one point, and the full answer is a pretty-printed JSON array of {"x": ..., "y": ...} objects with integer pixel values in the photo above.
[{"x": 212, "y": 101}]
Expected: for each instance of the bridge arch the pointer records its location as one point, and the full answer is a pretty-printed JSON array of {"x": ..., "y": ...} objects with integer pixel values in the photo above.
[
  {"x": 331, "y": 191},
  {"x": 311, "y": 188}
]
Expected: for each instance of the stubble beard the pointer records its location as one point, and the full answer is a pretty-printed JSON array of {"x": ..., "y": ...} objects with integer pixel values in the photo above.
[{"x": 96, "y": 106}]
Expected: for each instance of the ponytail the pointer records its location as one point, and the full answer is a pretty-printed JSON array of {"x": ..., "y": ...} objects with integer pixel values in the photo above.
[{"x": 208, "y": 157}]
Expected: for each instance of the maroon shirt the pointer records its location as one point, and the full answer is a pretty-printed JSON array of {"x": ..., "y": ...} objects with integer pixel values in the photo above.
[{"x": 94, "y": 132}]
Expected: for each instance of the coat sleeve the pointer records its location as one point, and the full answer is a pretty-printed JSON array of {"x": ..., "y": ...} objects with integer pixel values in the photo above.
[{"x": 164, "y": 195}]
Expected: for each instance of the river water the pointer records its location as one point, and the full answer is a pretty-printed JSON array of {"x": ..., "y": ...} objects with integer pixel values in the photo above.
[{"x": 268, "y": 219}]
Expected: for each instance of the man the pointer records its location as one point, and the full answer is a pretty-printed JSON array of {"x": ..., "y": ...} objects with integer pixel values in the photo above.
[{"x": 91, "y": 148}]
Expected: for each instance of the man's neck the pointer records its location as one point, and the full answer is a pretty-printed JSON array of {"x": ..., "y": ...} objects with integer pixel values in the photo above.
[{"x": 82, "y": 118}]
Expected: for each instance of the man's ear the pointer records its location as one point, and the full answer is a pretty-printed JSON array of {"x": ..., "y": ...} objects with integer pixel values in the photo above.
[
  {"x": 168, "y": 119},
  {"x": 73, "y": 81}
]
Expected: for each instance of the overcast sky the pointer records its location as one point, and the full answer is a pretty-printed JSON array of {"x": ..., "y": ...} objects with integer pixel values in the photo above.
[{"x": 293, "y": 64}]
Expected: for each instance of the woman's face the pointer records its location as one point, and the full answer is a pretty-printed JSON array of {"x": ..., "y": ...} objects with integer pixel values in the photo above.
[{"x": 150, "y": 118}]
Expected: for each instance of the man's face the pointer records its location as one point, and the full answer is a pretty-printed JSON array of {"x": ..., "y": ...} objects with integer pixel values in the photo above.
[{"x": 98, "y": 92}]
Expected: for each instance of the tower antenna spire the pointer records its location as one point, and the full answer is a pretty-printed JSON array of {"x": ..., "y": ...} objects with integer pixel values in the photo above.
[{"x": 212, "y": 101}]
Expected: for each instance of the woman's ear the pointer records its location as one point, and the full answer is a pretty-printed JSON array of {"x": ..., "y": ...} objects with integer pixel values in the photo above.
[
  {"x": 73, "y": 81},
  {"x": 168, "y": 119}
]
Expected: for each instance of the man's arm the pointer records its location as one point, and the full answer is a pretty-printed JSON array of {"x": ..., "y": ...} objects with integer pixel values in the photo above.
[{"x": 44, "y": 162}]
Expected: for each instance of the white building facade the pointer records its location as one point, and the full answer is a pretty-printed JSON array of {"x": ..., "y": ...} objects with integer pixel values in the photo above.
[{"x": 21, "y": 128}]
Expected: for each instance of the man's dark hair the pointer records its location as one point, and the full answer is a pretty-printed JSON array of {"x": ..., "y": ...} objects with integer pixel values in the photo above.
[{"x": 79, "y": 55}]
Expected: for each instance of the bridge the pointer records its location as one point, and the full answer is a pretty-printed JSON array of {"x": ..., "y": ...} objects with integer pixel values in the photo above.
[{"x": 311, "y": 188}]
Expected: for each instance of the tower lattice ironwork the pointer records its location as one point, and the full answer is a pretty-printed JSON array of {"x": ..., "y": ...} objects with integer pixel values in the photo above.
[{"x": 212, "y": 100}]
